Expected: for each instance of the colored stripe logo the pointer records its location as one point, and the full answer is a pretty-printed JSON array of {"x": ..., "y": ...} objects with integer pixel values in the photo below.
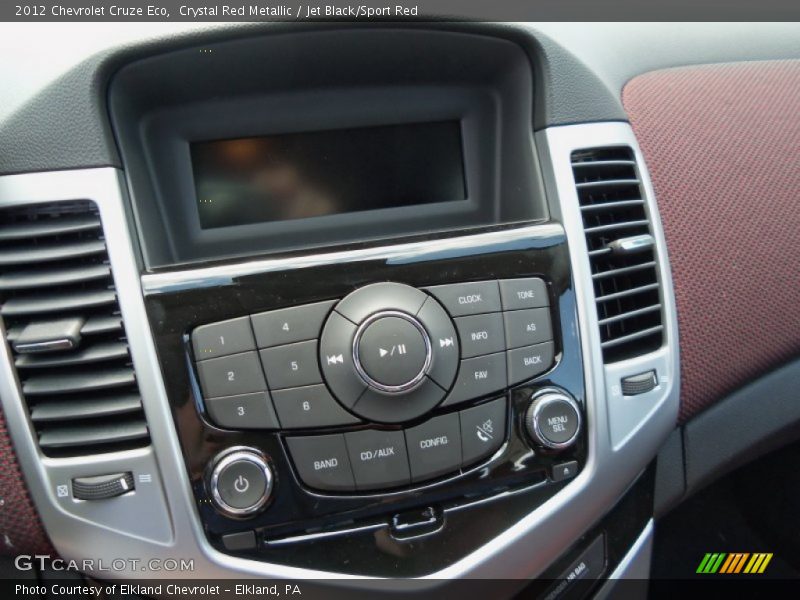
[{"x": 734, "y": 563}]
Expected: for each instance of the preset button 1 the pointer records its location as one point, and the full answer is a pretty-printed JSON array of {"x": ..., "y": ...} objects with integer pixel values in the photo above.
[{"x": 221, "y": 339}]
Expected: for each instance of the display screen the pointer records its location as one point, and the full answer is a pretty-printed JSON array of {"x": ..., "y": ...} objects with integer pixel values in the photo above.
[{"x": 300, "y": 175}]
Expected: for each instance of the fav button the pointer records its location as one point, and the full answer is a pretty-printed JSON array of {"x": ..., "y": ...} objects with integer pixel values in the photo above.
[
  {"x": 483, "y": 430},
  {"x": 478, "y": 377},
  {"x": 434, "y": 448},
  {"x": 379, "y": 459}
]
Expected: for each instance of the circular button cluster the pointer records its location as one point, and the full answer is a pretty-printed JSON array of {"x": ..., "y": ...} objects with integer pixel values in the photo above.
[{"x": 389, "y": 352}]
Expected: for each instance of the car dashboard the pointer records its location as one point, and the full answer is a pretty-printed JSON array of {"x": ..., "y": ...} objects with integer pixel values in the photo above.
[{"x": 353, "y": 303}]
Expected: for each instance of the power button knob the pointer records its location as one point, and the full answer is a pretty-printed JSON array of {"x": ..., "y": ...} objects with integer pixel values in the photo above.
[{"x": 240, "y": 482}]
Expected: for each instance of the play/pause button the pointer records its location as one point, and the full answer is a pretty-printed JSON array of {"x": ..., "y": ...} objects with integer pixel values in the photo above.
[{"x": 392, "y": 351}]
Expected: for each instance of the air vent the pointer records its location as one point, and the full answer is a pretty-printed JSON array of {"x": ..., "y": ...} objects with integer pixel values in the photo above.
[
  {"x": 63, "y": 325},
  {"x": 621, "y": 251}
]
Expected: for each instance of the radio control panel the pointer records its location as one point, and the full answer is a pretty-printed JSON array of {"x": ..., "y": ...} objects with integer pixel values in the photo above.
[
  {"x": 387, "y": 353},
  {"x": 394, "y": 407}
]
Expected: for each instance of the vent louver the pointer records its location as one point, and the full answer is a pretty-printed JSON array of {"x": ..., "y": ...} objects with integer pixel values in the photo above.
[
  {"x": 621, "y": 251},
  {"x": 63, "y": 325}
]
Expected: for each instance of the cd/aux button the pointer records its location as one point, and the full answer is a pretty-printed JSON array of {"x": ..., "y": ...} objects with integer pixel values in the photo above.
[{"x": 378, "y": 458}]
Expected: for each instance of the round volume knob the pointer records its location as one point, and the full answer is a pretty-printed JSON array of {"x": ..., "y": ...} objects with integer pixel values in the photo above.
[
  {"x": 553, "y": 419},
  {"x": 240, "y": 482}
]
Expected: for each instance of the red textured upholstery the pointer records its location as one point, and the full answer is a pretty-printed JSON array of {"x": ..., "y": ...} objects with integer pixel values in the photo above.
[
  {"x": 722, "y": 143},
  {"x": 20, "y": 529}
]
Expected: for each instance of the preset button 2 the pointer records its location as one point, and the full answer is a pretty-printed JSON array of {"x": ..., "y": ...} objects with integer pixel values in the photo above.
[{"x": 231, "y": 375}]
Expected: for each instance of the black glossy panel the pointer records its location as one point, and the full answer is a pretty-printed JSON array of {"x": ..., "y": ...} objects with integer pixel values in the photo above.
[{"x": 514, "y": 475}]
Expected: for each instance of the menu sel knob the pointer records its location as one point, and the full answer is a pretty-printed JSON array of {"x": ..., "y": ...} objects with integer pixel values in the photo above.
[
  {"x": 553, "y": 419},
  {"x": 240, "y": 482}
]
